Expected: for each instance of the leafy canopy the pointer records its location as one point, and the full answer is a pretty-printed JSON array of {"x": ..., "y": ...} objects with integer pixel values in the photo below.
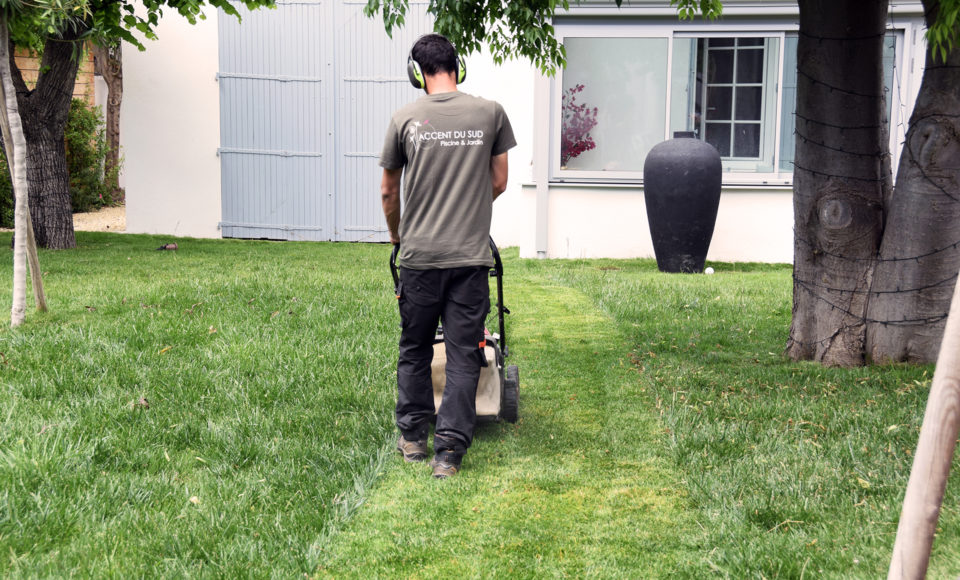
[
  {"x": 112, "y": 20},
  {"x": 511, "y": 28},
  {"x": 522, "y": 28},
  {"x": 32, "y": 22},
  {"x": 945, "y": 30}
]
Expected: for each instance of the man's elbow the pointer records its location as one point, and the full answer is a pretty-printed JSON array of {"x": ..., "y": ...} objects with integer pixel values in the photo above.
[{"x": 499, "y": 187}]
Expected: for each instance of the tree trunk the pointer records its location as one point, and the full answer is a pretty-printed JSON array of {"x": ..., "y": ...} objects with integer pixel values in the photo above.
[
  {"x": 919, "y": 256},
  {"x": 109, "y": 64},
  {"x": 44, "y": 111},
  {"x": 841, "y": 176},
  {"x": 17, "y": 161}
]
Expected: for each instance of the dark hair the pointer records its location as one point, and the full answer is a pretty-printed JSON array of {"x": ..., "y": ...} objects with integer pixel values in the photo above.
[{"x": 435, "y": 54}]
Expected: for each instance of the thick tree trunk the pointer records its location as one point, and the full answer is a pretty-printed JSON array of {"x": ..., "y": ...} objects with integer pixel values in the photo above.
[
  {"x": 841, "y": 175},
  {"x": 44, "y": 111},
  {"x": 919, "y": 256},
  {"x": 109, "y": 65}
]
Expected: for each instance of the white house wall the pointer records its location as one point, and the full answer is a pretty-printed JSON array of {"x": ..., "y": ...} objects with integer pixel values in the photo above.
[
  {"x": 510, "y": 84},
  {"x": 170, "y": 130},
  {"x": 611, "y": 222}
]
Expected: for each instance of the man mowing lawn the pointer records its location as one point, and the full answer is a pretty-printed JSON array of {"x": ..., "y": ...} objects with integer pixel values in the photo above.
[{"x": 453, "y": 147}]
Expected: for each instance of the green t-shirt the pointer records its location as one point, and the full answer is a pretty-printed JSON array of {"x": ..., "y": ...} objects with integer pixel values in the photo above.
[{"x": 445, "y": 142}]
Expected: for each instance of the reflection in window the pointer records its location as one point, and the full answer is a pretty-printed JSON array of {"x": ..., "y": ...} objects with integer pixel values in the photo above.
[{"x": 623, "y": 84}]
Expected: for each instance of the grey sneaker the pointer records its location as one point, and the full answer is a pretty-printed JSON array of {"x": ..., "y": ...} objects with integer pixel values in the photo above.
[
  {"x": 443, "y": 469},
  {"x": 412, "y": 451}
]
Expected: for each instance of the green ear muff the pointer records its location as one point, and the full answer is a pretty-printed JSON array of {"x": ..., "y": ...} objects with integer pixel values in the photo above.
[
  {"x": 461, "y": 69},
  {"x": 415, "y": 74}
]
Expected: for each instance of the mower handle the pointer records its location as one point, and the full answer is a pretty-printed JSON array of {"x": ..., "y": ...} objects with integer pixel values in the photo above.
[{"x": 393, "y": 268}]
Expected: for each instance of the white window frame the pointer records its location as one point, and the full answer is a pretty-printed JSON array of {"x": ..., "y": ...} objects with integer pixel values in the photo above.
[{"x": 905, "y": 54}]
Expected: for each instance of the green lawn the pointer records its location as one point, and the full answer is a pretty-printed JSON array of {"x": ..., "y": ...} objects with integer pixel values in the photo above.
[{"x": 225, "y": 410}]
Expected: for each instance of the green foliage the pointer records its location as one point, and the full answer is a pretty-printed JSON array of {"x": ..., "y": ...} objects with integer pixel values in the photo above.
[
  {"x": 945, "y": 31},
  {"x": 86, "y": 143},
  {"x": 511, "y": 29},
  {"x": 107, "y": 22},
  {"x": 31, "y": 23},
  {"x": 86, "y": 147},
  {"x": 688, "y": 9},
  {"x": 113, "y": 21}
]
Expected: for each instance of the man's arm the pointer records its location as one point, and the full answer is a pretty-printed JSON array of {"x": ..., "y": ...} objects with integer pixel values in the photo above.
[
  {"x": 390, "y": 199},
  {"x": 499, "y": 170}
]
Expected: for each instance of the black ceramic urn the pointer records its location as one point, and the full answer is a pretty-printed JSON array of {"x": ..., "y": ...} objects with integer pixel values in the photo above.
[{"x": 681, "y": 183}]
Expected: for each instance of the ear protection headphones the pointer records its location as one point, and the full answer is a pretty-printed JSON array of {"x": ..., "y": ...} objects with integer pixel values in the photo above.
[{"x": 415, "y": 74}]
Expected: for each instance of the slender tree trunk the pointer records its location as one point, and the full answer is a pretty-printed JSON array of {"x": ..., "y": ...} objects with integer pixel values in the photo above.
[
  {"x": 44, "y": 111},
  {"x": 15, "y": 144},
  {"x": 919, "y": 256},
  {"x": 931, "y": 463},
  {"x": 33, "y": 259},
  {"x": 841, "y": 175},
  {"x": 109, "y": 64}
]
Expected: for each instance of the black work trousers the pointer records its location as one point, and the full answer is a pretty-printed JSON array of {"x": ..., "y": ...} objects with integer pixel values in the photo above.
[{"x": 459, "y": 298}]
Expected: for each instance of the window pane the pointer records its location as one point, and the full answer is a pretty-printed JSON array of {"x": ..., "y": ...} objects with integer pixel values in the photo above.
[
  {"x": 889, "y": 50},
  {"x": 685, "y": 87},
  {"x": 788, "y": 121},
  {"x": 719, "y": 103},
  {"x": 738, "y": 117},
  {"x": 750, "y": 66},
  {"x": 624, "y": 80},
  {"x": 718, "y": 135},
  {"x": 746, "y": 140},
  {"x": 720, "y": 66},
  {"x": 749, "y": 103}
]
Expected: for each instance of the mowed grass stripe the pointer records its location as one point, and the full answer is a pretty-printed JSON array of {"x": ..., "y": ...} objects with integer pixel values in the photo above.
[{"x": 578, "y": 487}]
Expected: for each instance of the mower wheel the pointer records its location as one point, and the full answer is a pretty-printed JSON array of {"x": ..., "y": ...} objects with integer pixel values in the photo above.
[{"x": 510, "y": 403}]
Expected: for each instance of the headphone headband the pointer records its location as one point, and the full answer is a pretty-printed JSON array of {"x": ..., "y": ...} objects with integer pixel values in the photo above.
[{"x": 415, "y": 72}]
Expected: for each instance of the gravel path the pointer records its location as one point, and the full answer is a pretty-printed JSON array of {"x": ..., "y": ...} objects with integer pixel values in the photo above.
[{"x": 108, "y": 219}]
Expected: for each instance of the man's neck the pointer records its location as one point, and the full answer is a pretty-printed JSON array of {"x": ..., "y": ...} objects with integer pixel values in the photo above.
[{"x": 440, "y": 83}]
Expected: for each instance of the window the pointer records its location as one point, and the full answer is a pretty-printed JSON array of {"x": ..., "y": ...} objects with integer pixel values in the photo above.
[
  {"x": 727, "y": 89},
  {"x": 615, "y": 86},
  {"x": 620, "y": 96}
]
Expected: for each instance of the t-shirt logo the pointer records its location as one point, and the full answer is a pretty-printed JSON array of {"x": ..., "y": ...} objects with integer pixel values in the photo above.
[
  {"x": 414, "y": 133},
  {"x": 421, "y": 132}
]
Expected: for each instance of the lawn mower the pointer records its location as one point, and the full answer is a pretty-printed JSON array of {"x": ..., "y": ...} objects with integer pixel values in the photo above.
[{"x": 498, "y": 388}]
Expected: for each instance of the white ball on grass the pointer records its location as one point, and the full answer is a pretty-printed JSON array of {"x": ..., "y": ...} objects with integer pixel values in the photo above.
[{"x": 708, "y": 270}]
